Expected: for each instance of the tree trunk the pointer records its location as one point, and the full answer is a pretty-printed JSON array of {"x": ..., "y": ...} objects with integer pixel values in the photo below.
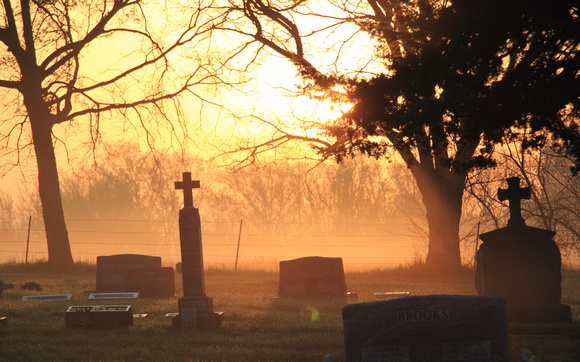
[
  {"x": 442, "y": 196},
  {"x": 59, "y": 253}
]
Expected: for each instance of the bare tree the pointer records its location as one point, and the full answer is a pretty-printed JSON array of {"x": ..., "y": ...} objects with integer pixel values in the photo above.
[
  {"x": 555, "y": 193},
  {"x": 47, "y": 49},
  {"x": 444, "y": 83}
]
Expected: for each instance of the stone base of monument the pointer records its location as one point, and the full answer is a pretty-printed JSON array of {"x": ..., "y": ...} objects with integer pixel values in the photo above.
[
  {"x": 196, "y": 314},
  {"x": 189, "y": 320},
  {"x": 559, "y": 313},
  {"x": 202, "y": 303}
]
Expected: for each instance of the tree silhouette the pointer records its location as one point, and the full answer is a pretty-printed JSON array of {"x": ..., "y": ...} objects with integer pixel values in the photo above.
[
  {"x": 46, "y": 80},
  {"x": 450, "y": 79}
]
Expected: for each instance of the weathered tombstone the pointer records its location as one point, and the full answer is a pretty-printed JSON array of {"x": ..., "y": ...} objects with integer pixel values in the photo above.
[
  {"x": 108, "y": 316},
  {"x": 195, "y": 308},
  {"x": 151, "y": 282},
  {"x": 312, "y": 276},
  {"x": 112, "y": 270},
  {"x": 523, "y": 264},
  {"x": 427, "y": 328}
]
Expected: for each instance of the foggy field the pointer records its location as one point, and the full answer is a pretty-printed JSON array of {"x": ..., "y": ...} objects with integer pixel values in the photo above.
[
  {"x": 362, "y": 246},
  {"x": 257, "y": 325}
]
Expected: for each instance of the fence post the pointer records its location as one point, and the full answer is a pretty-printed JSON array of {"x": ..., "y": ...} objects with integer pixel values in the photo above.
[
  {"x": 28, "y": 238},
  {"x": 238, "y": 251}
]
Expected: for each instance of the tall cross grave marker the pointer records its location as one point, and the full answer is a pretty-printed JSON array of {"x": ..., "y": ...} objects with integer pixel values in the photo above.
[
  {"x": 522, "y": 264},
  {"x": 195, "y": 308},
  {"x": 514, "y": 194}
]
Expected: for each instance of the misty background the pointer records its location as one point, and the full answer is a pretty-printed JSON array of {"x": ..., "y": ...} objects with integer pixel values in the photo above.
[{"x": 366, "y": 211}]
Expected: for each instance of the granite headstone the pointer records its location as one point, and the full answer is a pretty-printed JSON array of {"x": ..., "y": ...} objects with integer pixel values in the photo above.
[
  {"x": 112, "y": 270},
  {"x": 312, "y": 276},
  {"x": 427, "y": 328},
  {"x": 523, "y": 264}
]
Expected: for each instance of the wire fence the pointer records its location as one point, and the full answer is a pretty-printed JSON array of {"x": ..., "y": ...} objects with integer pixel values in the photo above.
[
  {"x": 261, "y": 245},
  {"x": 256, "y": 245}
]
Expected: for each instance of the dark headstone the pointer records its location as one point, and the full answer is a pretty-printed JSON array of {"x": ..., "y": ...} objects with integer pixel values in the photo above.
[
  {"x": 152, "y": 282},
  {"x": 108, "y": 316},
  {"x": 312, "y": 276},
  {"x": 523, "y": 264},
  {"x": 112, "y": 270},
  {"x": 195, "y": 308},
  {"x": 427, "y": 328}
]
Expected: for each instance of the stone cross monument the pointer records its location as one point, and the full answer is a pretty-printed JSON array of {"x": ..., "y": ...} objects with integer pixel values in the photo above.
[
  {"x": 514, "y": 194},
  {"x": 195, "y": 308},
  {"x": 523, "y": 264}
]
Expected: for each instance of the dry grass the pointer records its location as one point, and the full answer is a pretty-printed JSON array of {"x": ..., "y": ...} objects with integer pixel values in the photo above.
[{"x": 257, "y": 326}]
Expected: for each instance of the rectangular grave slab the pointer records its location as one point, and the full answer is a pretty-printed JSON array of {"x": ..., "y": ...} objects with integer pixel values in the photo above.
[
  {"x": 112, "y": 270},
  {"x": 100, "y": 296},
  {"x": 152, "y": 282},
  {"x": 108, "y": 316},
  {"x": 312, "y": 276},
  {"x": 427, "y": 328},
  {"x": 48, "y": 298}
]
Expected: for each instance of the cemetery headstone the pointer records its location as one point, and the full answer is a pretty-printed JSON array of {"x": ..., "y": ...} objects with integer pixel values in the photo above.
[
  {"x": 195, "y": 307},
  {"x": 108, "y": 316},
  {"x": 312, "y": 276},
  {"x": 112, "y": 270},
  {"x": 427, "y": 328},
  {"x": 523, "y": 264},
  {"x": 152, "y": 282}
]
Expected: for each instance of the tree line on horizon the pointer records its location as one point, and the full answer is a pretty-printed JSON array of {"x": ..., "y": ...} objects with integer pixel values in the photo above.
[{"x": 357, "y": 196}]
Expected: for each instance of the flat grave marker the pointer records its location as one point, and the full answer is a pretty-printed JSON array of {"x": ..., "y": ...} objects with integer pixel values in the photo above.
[
  {"x": 108, "y": 316},
  {"x": 48, "y": 298},
  {"x": 427, "y": 328},
  {"x": 101, "y": 296},
  {"x": 312, "y": 276}
]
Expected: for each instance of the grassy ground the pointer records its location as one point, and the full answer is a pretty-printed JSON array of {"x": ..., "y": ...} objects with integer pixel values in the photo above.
[{"x": 257, "y": 326}]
